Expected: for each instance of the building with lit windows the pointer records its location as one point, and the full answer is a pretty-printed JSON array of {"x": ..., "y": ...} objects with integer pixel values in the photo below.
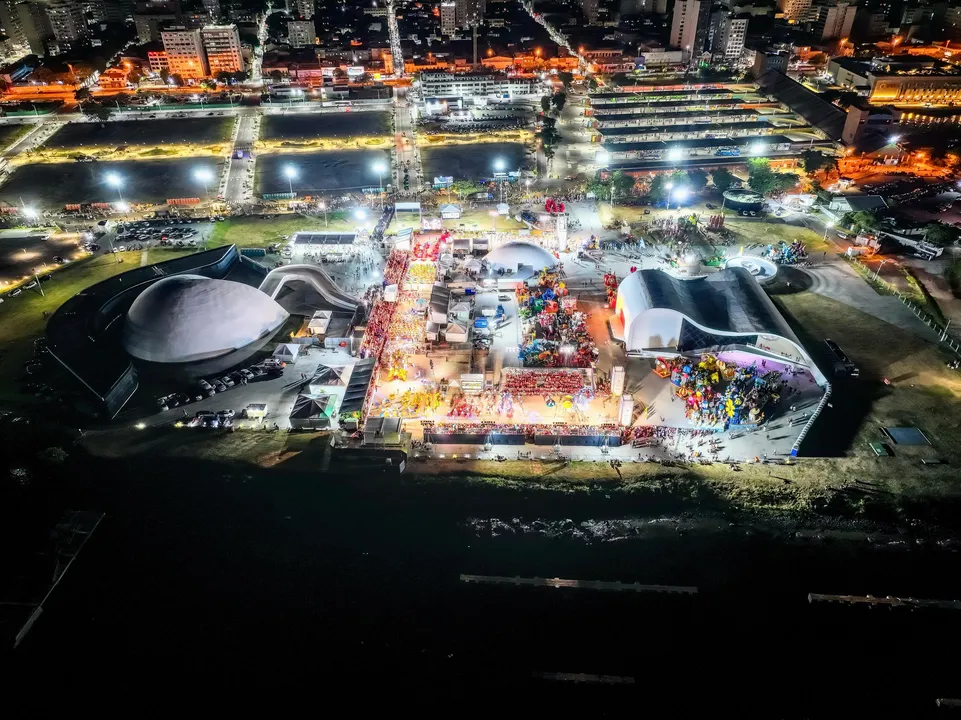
[
  {"x": 301, "y": 33},
  {"x": 185, "y": 53},
  {"x": 222, "y": 46},
  {"x": 448, "y": 18}
]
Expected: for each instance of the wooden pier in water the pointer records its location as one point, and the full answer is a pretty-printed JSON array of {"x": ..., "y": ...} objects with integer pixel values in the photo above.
[{"x": 610, "y": 586}]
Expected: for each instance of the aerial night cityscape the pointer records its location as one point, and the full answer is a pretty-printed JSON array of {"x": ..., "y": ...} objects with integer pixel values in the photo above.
[{"x": 463, "y": 345}]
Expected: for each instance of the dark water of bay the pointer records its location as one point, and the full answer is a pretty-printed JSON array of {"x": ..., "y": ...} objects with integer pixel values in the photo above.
[{"x": 228, "y": 578}]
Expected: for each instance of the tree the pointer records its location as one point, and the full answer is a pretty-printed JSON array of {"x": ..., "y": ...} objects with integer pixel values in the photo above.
[
  {"x": 548, "y": 133},
  {"x": 165, "y": 76},
  {"x": 622, "y": 183},
  {"x": 723, "y": 179},
  {"x": 546, "y": 104},
  {"x": 339, "y": 73},
  {"x": 559, "y": 100},
  {"x": 658, "y": 190},
  {"x": 696, "y": 179},
  {"x": 549, "y": 153},
  {"x": 597, "y": 186},
  {"x": 861, "y": 220},
  {"x": 177, "y": 79},
  {"x": 104, "y": 112},
  {"x": 466, "y": 187},
  {"x": 814, "y": 160},
  {"x": 276, "y": 75},
  {"x": 81, "y": 95},
  {"x": 224, "y": 77},
  {"x": 760, "y": 177},
  {"x": 940, "y": 234},
  {"x": 818, "y": 59},
  {"x": 785, "y": 181},
  {"x": 566, "y": 78}
]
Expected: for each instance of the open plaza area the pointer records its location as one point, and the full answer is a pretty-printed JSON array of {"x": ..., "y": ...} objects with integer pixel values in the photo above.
[
  {"x": 320, "y": 172},
  {"x": 186, "y": 130},
  {"x": 51, "y": 186},
  {"x": 473, "y": 161},
  {"x": 295, "y": 127}
]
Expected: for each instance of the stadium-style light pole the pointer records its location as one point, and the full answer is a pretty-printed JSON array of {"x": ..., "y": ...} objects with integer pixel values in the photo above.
[
  {"x": 114, "y": 180},
  {"x": 827, "y": 226},
  {"x": 499, "y": 166},
  {"x": 380, "y": 167},
  {"x": 290, "y": 172},
  {"x": 204, "y": 175},
  {"x": 323, "y": 206},
  {"x": 670, "y": 189}
]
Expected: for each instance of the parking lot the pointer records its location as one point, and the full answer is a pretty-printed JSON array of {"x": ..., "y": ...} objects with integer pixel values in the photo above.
[
  {"x": 25, "y": 252},
  {"x": 176, "y": 233}
]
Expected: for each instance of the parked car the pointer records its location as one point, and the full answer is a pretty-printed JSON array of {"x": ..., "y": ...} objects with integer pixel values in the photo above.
[{"x": 226, "y": 413}]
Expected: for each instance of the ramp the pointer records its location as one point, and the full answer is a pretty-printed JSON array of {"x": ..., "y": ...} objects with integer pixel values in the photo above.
[{"x": 314, "y": 277}]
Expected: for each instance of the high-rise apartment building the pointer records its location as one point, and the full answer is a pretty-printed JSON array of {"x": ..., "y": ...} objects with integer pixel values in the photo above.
[
  {"x": 795, "y": 11},
  {"x": 213, "y": 11},
  {"x": 726, "y": 37},
  {"x": 67, "y": 23},
  {"x": 304, "y": 8},
  {"x": 35, "y": 26},
  {"x": 185, "y": 53},
  {"x": 689, "y": 26},
  {"x": 95, "y": 10},
  {"x": 301, "y": 33},
  {"x": 152, "y": 16},
  {"x": 448, "y": 18},
  {"x": 222, "y": 45},
  {"x": 470, "y": 13},
  {"x": 11, "y": 25},
  {"x": 590, "y": 9},
  {"x": 834, "y": 21}
]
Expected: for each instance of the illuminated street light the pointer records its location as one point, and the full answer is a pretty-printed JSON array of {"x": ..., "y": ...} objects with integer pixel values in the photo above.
[
  {"x": 360, "y": 213},
  {"x": 681, "y": 195},
  {"x": 204, "y": 175},
  {"x": 758, "y": 148},
  {"x": 114, "y": 180},
  {"x": 323, "y": 206},
  {"x": 30, "y": 213},
  {"x": 827, "y": 226},
  {"x": 674, "y": 154},
  {"x": 602, "y": 158},
  {"x": 290, "y": 172},
  {"x": 499, "y": 166}
]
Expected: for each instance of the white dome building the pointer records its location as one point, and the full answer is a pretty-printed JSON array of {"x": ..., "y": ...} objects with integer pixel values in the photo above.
[
  {"x": 189, "y": 318},
  {"x": 514, "y": 255}
]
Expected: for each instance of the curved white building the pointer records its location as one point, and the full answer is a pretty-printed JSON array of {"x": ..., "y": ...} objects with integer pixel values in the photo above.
[
  {"x": 189, "y": 318},
  {"x": 665, "y": 315},
  {"x": 514, "y": 255}
]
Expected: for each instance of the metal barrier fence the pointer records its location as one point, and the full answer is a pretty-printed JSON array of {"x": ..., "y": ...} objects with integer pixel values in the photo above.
[{"x": 931, "y": 322}]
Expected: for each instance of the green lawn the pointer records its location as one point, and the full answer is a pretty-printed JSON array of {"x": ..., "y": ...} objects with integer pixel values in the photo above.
[
  {"x": 481, "y": 220},
  {"x": 22, "y": 318},
  {"x": 258, "y": 232},
  {"x": 773, "y": 232}
]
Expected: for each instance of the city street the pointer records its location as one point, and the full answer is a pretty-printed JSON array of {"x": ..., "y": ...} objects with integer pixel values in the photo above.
[
  {"x": 406, "y": 152},
  {"x": 238, "y": 186}
]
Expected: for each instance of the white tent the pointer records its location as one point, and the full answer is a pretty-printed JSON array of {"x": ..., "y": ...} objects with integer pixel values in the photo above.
[
  {"x": 461, "y": 310},
  {"x": 455, "y": 333},
  {"x": 288, "y": 352},
  {"x": 431, "y": 330},
  {"x": 319, "y": 322},
  {"x": 390, "y": 293},
  {"x": 330, "y": 380}
]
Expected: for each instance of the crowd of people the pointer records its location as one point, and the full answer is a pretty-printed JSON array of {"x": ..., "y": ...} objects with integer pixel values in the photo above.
[
  {"x": 556, "y": 382},
  {"x": 554, "y": 331},
  {"x": 720, "y": 394}
]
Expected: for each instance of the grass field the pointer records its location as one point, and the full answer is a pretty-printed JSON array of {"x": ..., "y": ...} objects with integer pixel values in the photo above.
[
  {"x": 181, "y": 131},
  {"x": 258, "y": 232},
  {"x": 321, "y": 125},
  {"x": 922, "y": 391},
  {"x": 9, "y": 134},
  {"x": 480, "y": 219},
  {"x": 773, "y": 232},
  {"x": 52, "y": 185},
  {"x": 22, "y": 318}
]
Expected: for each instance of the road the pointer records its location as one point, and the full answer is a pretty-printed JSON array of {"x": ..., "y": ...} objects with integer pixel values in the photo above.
[
  {"x": 238, "y": 186},
  {"x": 406, "y": 153}
]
